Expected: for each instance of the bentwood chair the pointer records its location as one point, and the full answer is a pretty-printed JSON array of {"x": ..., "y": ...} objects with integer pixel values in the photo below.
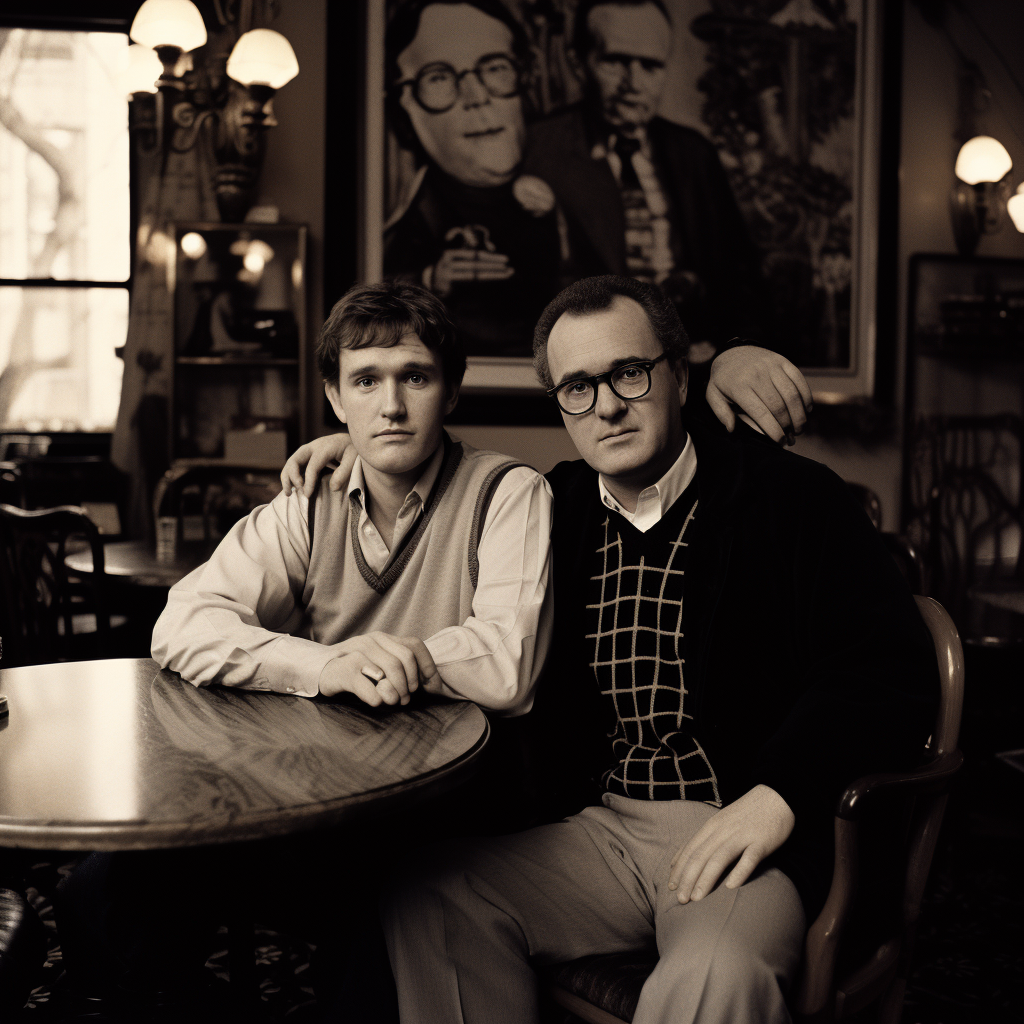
[
  {"x": 45, "y": 614},
  {"x": 843, "y": 972}
]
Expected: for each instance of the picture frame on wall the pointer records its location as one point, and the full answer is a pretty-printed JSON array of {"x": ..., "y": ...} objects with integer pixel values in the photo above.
[{"x": 726, "y": 150}]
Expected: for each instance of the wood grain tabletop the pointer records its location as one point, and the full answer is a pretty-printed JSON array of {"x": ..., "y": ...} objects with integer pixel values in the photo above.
[{"x": 117, "y": 754}]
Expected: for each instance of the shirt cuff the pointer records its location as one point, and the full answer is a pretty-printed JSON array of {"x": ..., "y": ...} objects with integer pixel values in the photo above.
[{"x": 294, "y": 666}]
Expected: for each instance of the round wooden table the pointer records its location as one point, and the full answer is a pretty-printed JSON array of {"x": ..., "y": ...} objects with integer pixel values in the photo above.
[
  {"x": 135, "y": 562},
  {"x": 119, "y": 755}
]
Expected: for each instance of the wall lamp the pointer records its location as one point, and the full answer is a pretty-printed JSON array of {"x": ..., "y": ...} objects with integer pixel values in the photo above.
[
  {"x": 231, "y": 104},
  {"x": 978, "y": 202}
]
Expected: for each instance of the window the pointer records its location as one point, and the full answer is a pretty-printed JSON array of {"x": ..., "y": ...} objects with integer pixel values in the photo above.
[{"x": 64, "y": 228}]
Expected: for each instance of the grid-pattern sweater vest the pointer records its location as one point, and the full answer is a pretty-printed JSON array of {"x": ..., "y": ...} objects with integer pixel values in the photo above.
[
  {"x": 634, "y": 624},
  {"x": 429, "y": 586}
]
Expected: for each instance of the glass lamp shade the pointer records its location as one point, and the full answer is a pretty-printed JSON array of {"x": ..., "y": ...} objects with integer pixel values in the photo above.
[
  {"x": 1015, "y": 208},
  {"x": 982, "y": 159},
  {"x": 263, "y": 57},
  {"x": 169, "y": 23},
  {"x": 142, "y": 70}
]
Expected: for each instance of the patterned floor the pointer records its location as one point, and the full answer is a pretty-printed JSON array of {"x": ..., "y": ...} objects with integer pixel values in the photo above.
[
  {"x": 969, "y": 953},
  {"x": 282, "y": 967}
]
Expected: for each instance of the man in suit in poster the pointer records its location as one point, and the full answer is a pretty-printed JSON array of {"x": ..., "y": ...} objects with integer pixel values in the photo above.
[{"x": 641, "y": 195}]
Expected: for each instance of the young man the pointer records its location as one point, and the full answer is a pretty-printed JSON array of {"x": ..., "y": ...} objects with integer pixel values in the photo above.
[
  {"x": 431, "y": 569},
  {"x": 735, "y": 644}
]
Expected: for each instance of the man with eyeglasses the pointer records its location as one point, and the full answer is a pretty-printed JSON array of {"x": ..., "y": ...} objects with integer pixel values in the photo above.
[
  {"x": 733, "y": 644},
  {"x": 642, "y": 195},
  {"x": 475, "y": 231}
]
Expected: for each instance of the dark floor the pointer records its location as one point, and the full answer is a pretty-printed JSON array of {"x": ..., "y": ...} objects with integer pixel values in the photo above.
[{"x": 968, "y": 958}]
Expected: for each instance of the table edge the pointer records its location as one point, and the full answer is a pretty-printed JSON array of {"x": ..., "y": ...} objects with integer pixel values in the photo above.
[{"x": 264, "y": 825}]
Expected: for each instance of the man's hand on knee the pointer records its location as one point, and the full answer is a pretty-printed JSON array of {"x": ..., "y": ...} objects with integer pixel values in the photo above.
[{"x": 749, "y": 829}]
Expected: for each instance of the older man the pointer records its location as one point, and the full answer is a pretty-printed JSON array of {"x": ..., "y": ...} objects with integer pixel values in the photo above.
[
  {"x": 735, "y": 644},
  {"x": 642, "y": 195},
  {"x": 471, "y": 228}
]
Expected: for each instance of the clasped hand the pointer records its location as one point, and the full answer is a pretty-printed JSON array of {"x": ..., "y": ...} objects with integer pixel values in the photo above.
[
  {"x": 378, "y": 668},
  {"x": 749, "y": 829}
]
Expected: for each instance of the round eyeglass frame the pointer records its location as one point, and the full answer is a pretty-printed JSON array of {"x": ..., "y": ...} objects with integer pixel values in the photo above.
[
  {"x": 595, "y": 382},
  {"x": 458, "y": 76}
]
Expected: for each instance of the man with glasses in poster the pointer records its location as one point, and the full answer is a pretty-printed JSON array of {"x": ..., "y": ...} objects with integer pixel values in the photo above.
[{"x": 480, "y": 235}]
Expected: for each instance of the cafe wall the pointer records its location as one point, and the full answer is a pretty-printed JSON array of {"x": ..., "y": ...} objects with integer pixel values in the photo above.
[{"x": 293, "y": 179}]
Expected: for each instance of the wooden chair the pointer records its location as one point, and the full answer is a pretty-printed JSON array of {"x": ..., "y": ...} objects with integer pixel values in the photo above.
[
  {"x": 834, "y": 985},
  {"x": 963, "y": 508},
  {"x": 45, "y": 615},
  {"x": 209, "y": 500}
]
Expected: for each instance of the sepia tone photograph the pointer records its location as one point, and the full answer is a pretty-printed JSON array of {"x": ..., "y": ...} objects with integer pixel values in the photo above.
[{"x": 511, "y": 511}]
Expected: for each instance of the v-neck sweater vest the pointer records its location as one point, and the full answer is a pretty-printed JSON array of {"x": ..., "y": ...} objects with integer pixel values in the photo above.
[
  {"x": 634, "y": 629},
  {"x": 430, "y": 585}
]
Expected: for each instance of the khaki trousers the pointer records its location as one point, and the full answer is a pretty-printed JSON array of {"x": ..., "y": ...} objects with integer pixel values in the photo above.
[{"x": 465, "y": 932}]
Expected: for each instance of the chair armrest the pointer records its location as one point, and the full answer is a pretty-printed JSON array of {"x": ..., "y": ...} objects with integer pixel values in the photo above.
[{"x": 933, "y": 777}]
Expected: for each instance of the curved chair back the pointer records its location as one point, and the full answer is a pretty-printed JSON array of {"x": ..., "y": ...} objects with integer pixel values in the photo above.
[
  {"x": 881, "y": 975},
  {"x": 39, "y": 602},
  {"x": 605, "y": 989}
]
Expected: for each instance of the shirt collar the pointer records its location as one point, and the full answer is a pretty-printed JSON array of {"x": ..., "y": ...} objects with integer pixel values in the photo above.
[
  {"x": 665, "y": 492},
  {"x": 420, "y": 490},
  {"x": 606, "y": 145}
]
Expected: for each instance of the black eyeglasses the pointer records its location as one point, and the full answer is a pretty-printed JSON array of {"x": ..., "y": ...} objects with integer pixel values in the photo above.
[
  {"x": 629, "y": 381},
  {"x": 436, "y": 87}
]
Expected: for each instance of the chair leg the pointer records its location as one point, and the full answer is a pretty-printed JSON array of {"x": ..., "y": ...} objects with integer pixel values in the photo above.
[
  {"x": 22, "y": 950},
  {"x": 891, "y": 1006},
  {"x": 242, "y": 960}
]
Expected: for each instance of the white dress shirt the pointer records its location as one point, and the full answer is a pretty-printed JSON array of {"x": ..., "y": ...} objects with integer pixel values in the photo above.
[
  {"x": 661, "y": 261},
  {"x": 656, "y": 500},
  {"x": 375, "y": 551},
  {"x": 211, "y": 627}
]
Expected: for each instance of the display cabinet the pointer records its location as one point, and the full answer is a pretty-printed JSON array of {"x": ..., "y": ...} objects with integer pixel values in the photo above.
[
  {"x": 963, "y": 436},
  {"x": 238, "y": 387}
]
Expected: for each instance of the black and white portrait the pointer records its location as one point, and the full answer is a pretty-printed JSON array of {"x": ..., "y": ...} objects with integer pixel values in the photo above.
[{"x": 710, "y": 147}]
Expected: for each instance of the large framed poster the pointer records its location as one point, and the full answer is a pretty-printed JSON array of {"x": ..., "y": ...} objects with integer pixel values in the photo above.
[{"x": 725, "y": 150}]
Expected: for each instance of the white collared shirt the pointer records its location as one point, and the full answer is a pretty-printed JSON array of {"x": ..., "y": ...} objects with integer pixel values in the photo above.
[
  {"x": 661, "y": 261},
  {"x": 375, "y": 551},
  {"x": 656, "y": 500}
]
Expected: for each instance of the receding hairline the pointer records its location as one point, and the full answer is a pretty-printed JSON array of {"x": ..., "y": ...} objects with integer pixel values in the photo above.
[
  {"x": 591, "y": 313},
  {"x": 454, "y": 3},
  {"x": 625, "y": 5}
]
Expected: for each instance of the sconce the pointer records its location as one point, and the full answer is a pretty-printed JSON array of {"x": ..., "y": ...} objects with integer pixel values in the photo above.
[
  {"x": 978, "y": 202},
  {"x": 1015, "y": 208},
  {"x": 186, "y": 104}
]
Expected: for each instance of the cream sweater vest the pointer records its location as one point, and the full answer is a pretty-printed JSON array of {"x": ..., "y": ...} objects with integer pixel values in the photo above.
[{"x": 430, "y": 585}]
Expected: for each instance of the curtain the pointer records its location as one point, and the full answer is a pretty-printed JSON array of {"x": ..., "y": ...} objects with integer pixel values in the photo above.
[{"x": 179, "y": 188}]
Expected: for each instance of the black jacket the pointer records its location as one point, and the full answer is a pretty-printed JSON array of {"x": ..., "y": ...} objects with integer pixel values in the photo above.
[
  {"x": 806, "y": 658},
  {"x": 709, "y": 235}
]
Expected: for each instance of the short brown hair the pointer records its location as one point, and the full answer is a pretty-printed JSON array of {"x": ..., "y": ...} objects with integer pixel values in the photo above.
[
  {"x": 380, "y": 315},
  {"x": 596, "y": 294}
]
